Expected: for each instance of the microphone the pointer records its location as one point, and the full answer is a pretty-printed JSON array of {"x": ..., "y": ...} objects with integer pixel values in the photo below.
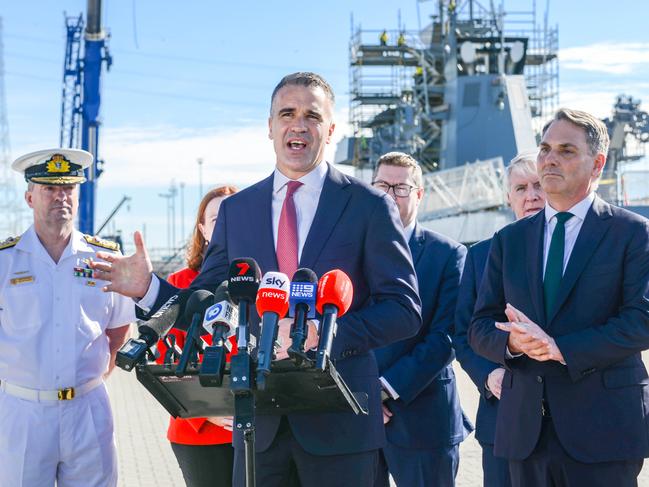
[
  {"x": 301, "y": 300},
  {"x": 197, "y": 304},
  {"x": 243, "y": 283},
  {"x": 221, "y": 322},
  {"x": 221, "y": 319},
  {"x": 272, "y": 305},
  {"x": 135, "y": 349},
  {"x": 335, "y": 294},
  {"x": 164, "y": 319}
]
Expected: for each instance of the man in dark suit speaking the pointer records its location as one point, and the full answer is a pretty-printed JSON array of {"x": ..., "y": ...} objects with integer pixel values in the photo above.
[
  {"x": 308, "y": 214},
  {"x": 564, "y": 306}
]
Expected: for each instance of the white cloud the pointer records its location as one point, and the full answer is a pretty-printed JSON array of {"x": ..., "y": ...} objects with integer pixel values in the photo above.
[
  {"x": 599, "y": 99},
  {"x": 606, "y": 57},
  {"x": 153, "y": 156}
]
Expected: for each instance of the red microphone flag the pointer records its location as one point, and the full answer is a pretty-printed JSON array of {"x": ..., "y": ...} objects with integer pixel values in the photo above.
[{"x": 335, "y": 288}]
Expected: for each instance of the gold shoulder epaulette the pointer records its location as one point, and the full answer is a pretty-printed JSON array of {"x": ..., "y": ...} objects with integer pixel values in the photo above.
[
  {"x": 8, "y": 243},
  {"x": 100, "y": 242}
]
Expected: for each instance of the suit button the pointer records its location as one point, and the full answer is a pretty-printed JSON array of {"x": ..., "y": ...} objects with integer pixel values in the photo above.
[{"x": 539, "y": 379}]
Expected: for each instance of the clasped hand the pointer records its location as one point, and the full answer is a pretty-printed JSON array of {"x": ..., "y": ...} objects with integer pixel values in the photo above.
[{"x": 527, "y": 337}]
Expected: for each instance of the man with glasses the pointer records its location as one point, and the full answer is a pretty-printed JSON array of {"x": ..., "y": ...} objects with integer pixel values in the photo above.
[{"x": 423, "y": 420}]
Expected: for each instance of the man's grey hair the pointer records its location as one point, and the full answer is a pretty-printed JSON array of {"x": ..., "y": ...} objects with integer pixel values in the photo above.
[
  {"x": 524, "y": 163},
  {"x": 401, "y": 159}
]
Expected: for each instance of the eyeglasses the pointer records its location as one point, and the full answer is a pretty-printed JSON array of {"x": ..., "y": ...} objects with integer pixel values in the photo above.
[{"x": 400, "y": 190}]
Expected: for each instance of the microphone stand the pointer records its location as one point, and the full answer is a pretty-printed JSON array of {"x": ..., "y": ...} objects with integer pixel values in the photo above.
[
  {"x": 241, "y": 386},
  {"x": 190, "y": 344}
]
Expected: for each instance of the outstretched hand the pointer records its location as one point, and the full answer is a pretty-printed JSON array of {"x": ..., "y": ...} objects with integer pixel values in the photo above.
[{"x": 127, "y": 275}]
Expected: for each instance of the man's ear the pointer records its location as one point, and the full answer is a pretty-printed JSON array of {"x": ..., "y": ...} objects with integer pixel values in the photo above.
[
  {"x": 332, "y": 127},
  {"x": 599, "y": 163},
  {"x": 28, "y": 198}
]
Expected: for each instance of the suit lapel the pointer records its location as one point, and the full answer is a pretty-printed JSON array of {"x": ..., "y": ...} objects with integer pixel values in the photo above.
[
  {"x": 534, "y": 248},
  {"x": 592, "y": 230},
  {"x": 333, "y": 201},
  {"x": 260, "y": 217},
  {"x": 416, "y": 244}
]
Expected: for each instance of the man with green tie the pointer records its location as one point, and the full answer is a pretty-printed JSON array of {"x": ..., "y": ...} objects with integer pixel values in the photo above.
[{"x": 564, "y": 307}]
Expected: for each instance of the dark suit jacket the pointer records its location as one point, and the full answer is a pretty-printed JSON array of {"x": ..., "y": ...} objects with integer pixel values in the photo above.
[
  {"x": 356, "y": 229},
  {"x": 427, "y": 413},
  {"x": 600, "y": 399},
  {"x": 476, "y": 366}
]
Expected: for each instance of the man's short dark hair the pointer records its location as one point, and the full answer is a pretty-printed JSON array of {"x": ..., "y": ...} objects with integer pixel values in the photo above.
[
  {"x": 596, "y": 132},
  {"x": 304, "y": 78},
  {"x": 401, "y": 159}
]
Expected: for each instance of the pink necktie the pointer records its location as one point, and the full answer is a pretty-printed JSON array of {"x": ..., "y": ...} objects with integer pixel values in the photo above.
[{"x": 287, "y": 232}]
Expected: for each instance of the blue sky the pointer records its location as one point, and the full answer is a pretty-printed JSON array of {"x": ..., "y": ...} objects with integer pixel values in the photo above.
[{"x": 193, "y": 79}]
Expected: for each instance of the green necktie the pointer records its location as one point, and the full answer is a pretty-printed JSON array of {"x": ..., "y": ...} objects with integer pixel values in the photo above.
[{"x": 554, "y": 265}]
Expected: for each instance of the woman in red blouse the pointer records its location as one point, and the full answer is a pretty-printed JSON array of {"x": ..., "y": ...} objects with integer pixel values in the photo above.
[{"x": 203, "y": 446}]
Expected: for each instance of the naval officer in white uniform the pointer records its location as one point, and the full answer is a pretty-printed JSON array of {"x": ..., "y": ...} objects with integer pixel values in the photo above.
[{"x": 58, "y": 337}]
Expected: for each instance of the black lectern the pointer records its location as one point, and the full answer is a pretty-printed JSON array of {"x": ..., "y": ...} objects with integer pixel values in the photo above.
[{"x": 289, "y": 388}]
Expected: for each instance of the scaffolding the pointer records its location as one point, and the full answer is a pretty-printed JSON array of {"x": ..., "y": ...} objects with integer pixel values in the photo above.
[
  {"x": 399, "y": 78},
  {"x": 10, "y": 209}
]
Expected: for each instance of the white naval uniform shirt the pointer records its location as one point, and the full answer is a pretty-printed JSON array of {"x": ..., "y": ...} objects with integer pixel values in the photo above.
[{"x": 52, "y": 323}]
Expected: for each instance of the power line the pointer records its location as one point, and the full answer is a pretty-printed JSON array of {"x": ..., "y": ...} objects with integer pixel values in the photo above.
[
  {"x": 112, "y": 88},
  {"x": 175, "y": 57},
  {"x": 151, "y": 75}
]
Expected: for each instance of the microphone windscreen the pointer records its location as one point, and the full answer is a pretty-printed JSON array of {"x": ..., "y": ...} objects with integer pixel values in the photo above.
[
  {"x": 336, "y": 288},
  {"x": 304, "y": 286},
  {"x": 198, "y": 302},
  {"x": 222, "y": 293},
  {"x": 304, "y": 275},
  {"x": 243, "y": 278},
  {"x": 273, "y": 294}
]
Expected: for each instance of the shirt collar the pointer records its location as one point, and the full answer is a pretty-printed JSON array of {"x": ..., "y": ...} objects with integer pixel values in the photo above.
[
  {"x": 29, "y": 242},
  {"x": 579, "y": 210},
  {"x": 314, "y": 179},
  {"x": 409, "y": 229}
]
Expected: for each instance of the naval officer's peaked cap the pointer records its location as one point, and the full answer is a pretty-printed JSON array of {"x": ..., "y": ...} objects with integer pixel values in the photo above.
[{"x": 54, "y": 166}]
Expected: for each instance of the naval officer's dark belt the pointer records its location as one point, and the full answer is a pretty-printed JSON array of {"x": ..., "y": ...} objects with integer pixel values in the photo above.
[{"x": 58, "y": 395}]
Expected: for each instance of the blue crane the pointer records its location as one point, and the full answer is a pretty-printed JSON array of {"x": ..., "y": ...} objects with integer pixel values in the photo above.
[{"x": 86, "y": 52}]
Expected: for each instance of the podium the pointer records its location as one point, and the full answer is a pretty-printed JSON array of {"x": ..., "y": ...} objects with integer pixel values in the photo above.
[{"x": 289, "y": 388}]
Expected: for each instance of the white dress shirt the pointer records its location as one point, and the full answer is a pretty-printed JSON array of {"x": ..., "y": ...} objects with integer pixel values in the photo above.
[
  {"x": 53, "y": 322},
  {"x": 306, "y": 200},
  {"x": 572, "y": 226}
]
